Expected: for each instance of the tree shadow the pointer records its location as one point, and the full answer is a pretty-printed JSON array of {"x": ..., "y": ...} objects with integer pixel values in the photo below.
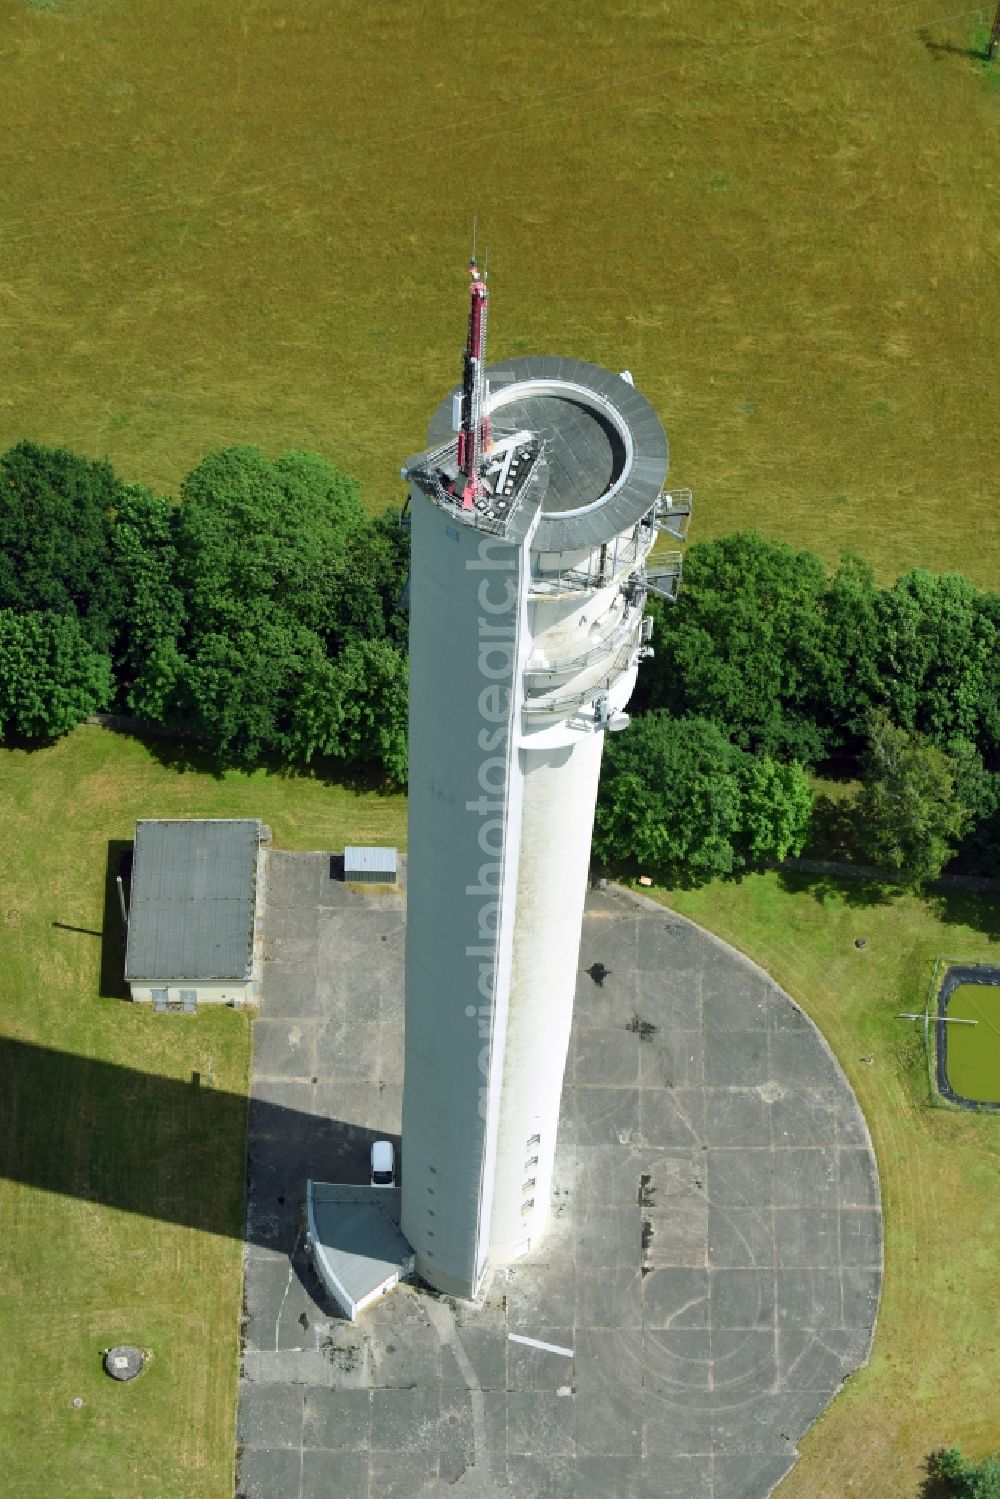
[
  {"x": 833, "y": 830},
  {"x": 174, "y": 749},
  {"x": 180, "y": 751},
  {"x": 859, "y": 893},
  {"x": 969, "y": 908},
  {"x": 933, "y": 1486}
]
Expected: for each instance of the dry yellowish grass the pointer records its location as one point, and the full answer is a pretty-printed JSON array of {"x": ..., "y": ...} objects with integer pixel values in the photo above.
[{"x": 232, "y": 224}]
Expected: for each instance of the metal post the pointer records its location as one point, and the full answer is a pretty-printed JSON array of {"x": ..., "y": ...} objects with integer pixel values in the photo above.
[{"x": 121, "y": 902}]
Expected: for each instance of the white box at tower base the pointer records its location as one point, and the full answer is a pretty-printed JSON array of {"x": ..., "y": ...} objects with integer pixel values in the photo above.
[{"x": 526, "y": 627}]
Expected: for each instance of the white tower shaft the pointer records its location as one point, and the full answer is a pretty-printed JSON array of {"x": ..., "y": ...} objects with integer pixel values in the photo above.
[{"x": 527, "y": 585}]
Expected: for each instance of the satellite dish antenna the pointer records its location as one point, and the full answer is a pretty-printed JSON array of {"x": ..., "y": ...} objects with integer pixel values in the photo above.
[{"x": 618, "y": 721}]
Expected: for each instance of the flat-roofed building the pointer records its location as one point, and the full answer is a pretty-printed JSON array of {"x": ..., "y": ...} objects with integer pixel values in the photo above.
[
  {"x": 195, "y": 907},
  {"x": 365, "y": 865}
]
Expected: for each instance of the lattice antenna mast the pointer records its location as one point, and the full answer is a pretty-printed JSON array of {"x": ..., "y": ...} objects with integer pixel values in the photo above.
[{"x": 474, "y": 432}]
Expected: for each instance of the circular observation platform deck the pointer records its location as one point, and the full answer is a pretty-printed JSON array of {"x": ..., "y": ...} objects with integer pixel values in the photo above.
[{"x": 604, "y": 445}]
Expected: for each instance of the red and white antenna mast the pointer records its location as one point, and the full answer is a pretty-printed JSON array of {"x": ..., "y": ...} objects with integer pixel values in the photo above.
[{"x": 474, "y": 432}]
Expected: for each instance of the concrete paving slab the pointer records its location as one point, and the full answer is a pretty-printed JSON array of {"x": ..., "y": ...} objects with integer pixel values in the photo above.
[
  {"x": 672, "y": 998},
  {"x": 860, "y": 1236},
  {"x": 681, "y": 1478},
  {"x": 531, "y": 1368},
  {"x": 743, "y": 1478},
  {"x": 608, "y": 1422},
  {"x": 675, "y": 1235},
  {"x": 608, "y": 1358},
  {"x": 605, "y": 1116},
  {"x": 541, "y": 1478},
  {"x": 481, "y": 1350},
  {"x": 608, "y": 1297},
  {"x": 741, "y": 1236},
  {"x": 806, "y": 1236},
  {"x": 736, "y": 1116},
  {"x": 671, "y": 1118},
  {"x": 818, "y": 1359},
  {"x": 266, "y": 1474},
  {"x": 732, "y": 999},
  {"x": 271, "y": 1418},
  {"x": 407, "y": 1420},
  {"x": 744, "y": 1362},
  {"x": 857, "y": 1179},
  {"x": 402, "y": 1475},
  {"x": 806, "y": 1178},
  {"x": 742, "y": 1299},
  {"x": 736, "y": 1059},
  {"x": 673, "y": 1431},
  {"x": 676, "y": 1297},
  {"x": 606, "y": 1004},
  {"x": 741, "y": 1178},
  {"x": 809, "y": 1298},
  {"x": 859, "y": 1294},
  {"x": 540, "y": 1423},
  {"x": 713, "y": 1264},
  {"x": 332, "y": 1475},
  {"x": 804, "y": 1116},
  {"x": 678, "y": 1364},
  {"x": 538, "y": 1295},
  {"x": 673, "y": 1059},
  {"x": 602, "y": 1060},
  {"x": 799, "y": 1062},
  {"x": 608, "y": 1239},
  {"x": 337, "y": 1420}
]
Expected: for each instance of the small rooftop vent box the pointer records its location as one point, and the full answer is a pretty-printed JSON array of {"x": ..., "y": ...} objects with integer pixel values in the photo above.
[{"x": 370, "y": 866}]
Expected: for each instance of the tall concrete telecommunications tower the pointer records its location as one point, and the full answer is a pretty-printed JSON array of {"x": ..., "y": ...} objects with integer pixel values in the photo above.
[{"x": 533, "y": 512}]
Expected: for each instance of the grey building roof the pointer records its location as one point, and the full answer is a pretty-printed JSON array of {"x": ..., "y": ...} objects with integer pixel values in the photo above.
[
  {"x": 191, "y": 911},
  {"x": 592, "y": 491},
  {"x": 355, "y": 1238},
  {"x": 369, "y": 860}
]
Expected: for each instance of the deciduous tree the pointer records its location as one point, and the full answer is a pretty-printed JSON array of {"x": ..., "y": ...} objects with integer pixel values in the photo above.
[
  {"x": 745, "y": 645},
  {"x": 51, "y": 677},
  {"x": 909, "y": 818},
  {"x": 688, "y": 805},
  {"x": 937, "y": 660},
  {"x": 290, "y": 531},
  {"x": 56, "y": 513}
]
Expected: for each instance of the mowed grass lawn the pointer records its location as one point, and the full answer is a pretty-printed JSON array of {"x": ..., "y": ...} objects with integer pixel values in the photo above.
[
  {"x": 935, "y": 1369},
  {"x": 249, "y": 224},
  {"x": 121, "y": 1178}
]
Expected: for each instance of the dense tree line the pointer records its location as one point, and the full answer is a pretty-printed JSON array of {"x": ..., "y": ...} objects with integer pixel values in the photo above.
[
  {"x": 260, "y": 613},
  {"x": 795, "y": 666}
]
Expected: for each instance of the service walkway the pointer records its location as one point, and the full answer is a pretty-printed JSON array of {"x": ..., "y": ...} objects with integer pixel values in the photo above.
[{"x": 713, "y": 1266}]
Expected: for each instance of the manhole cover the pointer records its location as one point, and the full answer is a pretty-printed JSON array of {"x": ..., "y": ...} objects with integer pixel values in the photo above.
[{"x": 123, "y": 1362}]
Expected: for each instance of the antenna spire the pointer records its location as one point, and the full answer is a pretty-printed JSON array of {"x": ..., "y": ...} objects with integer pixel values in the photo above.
[{"x": 474, "y": 432}]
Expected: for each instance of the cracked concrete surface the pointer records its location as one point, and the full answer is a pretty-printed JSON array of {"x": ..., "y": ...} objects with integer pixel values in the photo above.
[{"x": 714, "y": 1260}]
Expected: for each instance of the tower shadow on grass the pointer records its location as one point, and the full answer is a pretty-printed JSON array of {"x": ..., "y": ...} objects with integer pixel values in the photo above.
[{"x": 165, "y": 1148}]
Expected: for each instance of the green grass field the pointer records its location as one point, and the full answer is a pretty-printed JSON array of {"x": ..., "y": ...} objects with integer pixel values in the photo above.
[
  {"x": 974, "y": 1051},
  {"x": 935, "y": 1368},
  {"x": 250, "y": 223},
  {"x": 121, "y": 1178}
]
